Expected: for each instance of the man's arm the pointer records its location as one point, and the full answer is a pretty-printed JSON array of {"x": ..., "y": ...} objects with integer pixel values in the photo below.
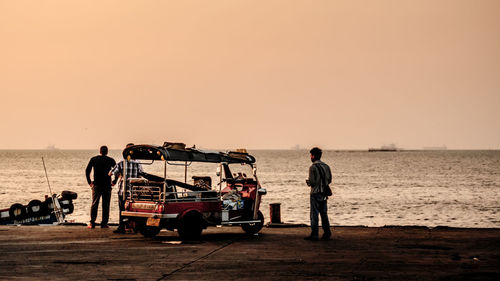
[
  {"x": 115, "y": 171},
  {"x": 87, "y": 171},
  {"x": 313, "y": 176},
  {"x": 141, "y": 171},
  {"x": 113, "y": 182}
]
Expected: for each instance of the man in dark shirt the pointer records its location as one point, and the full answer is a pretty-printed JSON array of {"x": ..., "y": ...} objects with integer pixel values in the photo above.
[{"x": 101, "y": 185}]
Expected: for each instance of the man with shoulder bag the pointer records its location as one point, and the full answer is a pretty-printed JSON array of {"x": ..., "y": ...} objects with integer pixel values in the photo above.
[{"x": 320, "y": 177}]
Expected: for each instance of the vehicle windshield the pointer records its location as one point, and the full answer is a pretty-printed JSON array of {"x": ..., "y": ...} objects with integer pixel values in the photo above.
[
  {"x": 240, "y": 171},
  {"x": 197, "y": 173}
]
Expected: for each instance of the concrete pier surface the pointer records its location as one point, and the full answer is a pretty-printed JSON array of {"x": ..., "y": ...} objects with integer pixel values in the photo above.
[{"x": 354, "y": 253}]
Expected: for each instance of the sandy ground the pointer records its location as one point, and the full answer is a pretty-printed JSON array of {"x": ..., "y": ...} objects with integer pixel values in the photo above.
[{"x": 355, "y": 253}]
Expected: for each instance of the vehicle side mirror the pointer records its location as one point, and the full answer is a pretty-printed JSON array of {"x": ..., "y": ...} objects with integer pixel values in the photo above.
[{"x": 218, "y": 171}]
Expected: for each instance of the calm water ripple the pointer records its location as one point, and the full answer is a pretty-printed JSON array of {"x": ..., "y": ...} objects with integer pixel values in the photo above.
[{"x": 453, "y": 188}]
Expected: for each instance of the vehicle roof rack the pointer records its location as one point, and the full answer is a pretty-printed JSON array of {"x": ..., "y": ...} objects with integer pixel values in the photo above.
[
  {"x": 174, "y": 145},
  {"x": 165, "y": 153}
]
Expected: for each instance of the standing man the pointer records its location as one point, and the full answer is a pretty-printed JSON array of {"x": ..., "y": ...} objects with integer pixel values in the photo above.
[
  {"x": 134, "y": 169},
  {"x": 101, "y": 185},
  {"x": 319, "y": 176}
]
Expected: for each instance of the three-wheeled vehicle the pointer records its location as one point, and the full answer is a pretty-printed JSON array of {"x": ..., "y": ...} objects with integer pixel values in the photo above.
[{"x": 154, "y": 202}]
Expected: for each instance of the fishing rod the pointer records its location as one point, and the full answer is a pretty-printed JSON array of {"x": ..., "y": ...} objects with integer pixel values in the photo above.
[{"x": 55, "y": 202}]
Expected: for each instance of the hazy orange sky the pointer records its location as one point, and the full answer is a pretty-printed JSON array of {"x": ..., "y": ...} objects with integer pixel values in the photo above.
[{"x": 255, "y": 74}]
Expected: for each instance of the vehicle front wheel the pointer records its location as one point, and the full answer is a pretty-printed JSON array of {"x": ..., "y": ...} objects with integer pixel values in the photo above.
[{"x": 252, "y": 228}]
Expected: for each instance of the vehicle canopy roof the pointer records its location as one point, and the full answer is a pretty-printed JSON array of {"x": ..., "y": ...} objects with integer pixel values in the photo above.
[{"x": 169, "y": 153}]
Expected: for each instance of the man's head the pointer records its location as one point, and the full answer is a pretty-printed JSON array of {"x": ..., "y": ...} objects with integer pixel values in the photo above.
[
  {"x": 129, "y": 145},
  {"x": 316, "y": 153},
  {"x": 103, "y": 150}
]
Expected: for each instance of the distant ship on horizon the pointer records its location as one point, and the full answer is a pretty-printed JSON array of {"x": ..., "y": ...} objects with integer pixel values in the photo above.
[
  {"x": 51, "y": 147},
  {"x": 385, "y": 148}
]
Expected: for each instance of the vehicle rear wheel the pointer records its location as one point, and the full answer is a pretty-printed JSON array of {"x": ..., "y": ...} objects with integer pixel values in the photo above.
[
  {"x": 252, "y": 228},
  {"x": 149, "y": 231},
  {"x": 17, "y": 211},
  {"x": 191, "y": 226}
]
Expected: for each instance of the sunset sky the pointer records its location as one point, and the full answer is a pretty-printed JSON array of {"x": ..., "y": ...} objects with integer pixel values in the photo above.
[{"x": 255, "y": 74}]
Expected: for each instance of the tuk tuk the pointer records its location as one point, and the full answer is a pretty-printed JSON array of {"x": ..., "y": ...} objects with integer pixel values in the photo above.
[{"x": 154, "y": 202}]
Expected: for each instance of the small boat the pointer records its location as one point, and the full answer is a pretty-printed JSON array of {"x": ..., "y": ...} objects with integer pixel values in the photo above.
[{"x": 51, "y": 210}]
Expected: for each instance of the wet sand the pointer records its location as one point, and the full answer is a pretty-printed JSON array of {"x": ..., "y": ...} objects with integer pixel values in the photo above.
[{"x": 355, "y": 253}]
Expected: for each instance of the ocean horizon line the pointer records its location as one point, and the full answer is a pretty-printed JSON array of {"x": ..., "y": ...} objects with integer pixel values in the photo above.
[{"x": 266, "y": 149}]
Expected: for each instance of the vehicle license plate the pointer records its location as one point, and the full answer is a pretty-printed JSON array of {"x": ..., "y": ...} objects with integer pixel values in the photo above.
[{"x": 153, "y": 222}]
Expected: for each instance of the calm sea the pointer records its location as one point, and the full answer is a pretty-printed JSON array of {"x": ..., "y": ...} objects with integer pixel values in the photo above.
[{"x": 431, "y": 188}]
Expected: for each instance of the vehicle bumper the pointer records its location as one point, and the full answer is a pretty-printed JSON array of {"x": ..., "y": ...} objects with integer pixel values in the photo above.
[{"x": 149, "y": 215}]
